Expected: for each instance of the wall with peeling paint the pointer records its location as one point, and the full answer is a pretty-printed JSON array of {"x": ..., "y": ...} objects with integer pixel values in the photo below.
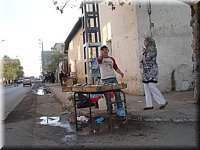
[
  {"x": 173, "y": 35},
  {"x": 124, "y": 29}
]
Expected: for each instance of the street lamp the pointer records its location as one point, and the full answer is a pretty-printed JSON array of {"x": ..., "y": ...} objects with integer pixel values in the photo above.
[
  {"x": 2, "y": 50},
  {"x": 41, "y": 42},
  {"x": 42, "y": 55}
]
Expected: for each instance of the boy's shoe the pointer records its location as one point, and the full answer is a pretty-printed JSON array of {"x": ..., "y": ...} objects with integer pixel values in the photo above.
[{"x": 121, "y": 112}]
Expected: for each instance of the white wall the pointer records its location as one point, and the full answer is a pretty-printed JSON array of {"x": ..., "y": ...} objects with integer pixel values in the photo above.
[
  {"x": 173, "y": 36},
  {"x": 120, "y": 27},
  {"x": 126, "y": 27}
]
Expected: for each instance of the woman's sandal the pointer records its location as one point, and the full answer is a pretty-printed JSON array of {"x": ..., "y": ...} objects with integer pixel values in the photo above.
[{"x": 147, "y": 108}]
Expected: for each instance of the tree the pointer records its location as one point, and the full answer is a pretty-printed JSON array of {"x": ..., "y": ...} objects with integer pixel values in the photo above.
[
  {"x": 11, "y": 69},
  {"x": 57, "y": 57},
  {"x": 60, "y": 5}
]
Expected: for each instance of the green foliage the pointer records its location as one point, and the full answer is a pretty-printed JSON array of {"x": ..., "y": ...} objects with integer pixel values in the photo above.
[
  {"x": 11, "y": 68},
  {"x": 57, "y": 57}
]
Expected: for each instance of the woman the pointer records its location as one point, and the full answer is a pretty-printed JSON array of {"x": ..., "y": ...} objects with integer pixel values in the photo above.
[{"x": 150, "y": 74}]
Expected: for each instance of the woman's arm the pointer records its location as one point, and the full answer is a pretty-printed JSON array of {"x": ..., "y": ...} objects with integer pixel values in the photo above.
[{"x": 150, "y": 54}]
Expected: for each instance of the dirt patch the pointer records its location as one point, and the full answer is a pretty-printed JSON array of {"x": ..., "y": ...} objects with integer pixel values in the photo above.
[{"x": 24, "y": 110}]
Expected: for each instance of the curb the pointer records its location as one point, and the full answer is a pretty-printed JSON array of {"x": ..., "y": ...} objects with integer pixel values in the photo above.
[
  {"x": 160, "y": 119},
  {"x": 58, "y": 97}
]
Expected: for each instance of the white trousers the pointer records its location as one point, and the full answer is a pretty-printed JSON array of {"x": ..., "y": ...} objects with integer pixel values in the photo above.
[{"x": 150, "y": 90}]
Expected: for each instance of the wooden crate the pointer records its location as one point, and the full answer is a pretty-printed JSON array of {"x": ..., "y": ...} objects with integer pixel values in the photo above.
[
  {"x": 98, "y": 88},
  {"x": 92, "y": 88},
  {"x": 78, "y": 88}
]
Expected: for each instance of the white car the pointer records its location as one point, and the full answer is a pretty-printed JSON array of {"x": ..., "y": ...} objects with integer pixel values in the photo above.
[
  {"x": 27, "y": 81},
  {"x": 37, "y": 80}
]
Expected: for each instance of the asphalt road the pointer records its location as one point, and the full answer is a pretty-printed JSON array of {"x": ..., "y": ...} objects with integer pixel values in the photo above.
[
  {"x": 12, "y": 96},
  {"x": 27, "y": 125}
]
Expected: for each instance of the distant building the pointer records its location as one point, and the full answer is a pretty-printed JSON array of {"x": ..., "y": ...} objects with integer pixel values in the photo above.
[
  {"x": 62, "y": 66},
  {"x": 46, "y": 60},
  {"x": 60, "y": 47}
]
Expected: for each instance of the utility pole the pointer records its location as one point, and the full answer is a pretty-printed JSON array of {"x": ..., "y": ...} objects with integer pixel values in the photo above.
[{"x": 42, "y": 54}]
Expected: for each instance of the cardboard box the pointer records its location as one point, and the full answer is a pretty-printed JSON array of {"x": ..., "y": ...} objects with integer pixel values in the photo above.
[{"x": 67, "y": 81}]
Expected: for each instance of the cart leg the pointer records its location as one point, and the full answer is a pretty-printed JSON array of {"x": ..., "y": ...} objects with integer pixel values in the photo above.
[
  {"x": 125, "y": 106},
  {"x": 75, "y": 112},
  {"x": 110, "y": 116},
  {"x": 90, "y": 113}
]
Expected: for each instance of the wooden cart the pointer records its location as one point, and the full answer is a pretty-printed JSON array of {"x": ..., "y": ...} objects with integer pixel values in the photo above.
[{"x": 96, "y": 89}]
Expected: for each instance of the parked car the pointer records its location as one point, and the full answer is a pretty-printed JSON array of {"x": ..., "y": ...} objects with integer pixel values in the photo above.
[
  {"x": 20, "y": 80},
  {"x": 37, "y": 80},
  {"x": 27, "y": 81}
]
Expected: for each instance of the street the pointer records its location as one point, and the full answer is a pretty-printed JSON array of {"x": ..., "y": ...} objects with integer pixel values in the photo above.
[
  {"x": 12, "y": 96},
  {"x": 27, "y": 125}
]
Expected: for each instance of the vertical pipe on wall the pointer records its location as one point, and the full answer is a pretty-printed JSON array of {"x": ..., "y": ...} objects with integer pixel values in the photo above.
[{"x": 149, "y": 12}]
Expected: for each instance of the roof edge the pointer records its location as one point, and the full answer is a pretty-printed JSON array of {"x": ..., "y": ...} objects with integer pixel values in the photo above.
[{"x": 73, "y": 32}]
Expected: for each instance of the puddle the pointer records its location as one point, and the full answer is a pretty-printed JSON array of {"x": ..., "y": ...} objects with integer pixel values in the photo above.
[
  {"x": 42, "y": 91},
  {"x": 55, "y": 121}
]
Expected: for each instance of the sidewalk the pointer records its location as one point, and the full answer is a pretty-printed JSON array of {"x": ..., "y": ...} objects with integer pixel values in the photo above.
[{"x": 181, "y": 106}]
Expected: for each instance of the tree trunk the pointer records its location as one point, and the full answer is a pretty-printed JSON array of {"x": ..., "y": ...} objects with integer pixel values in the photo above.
[{"x": 195, "y": 21}]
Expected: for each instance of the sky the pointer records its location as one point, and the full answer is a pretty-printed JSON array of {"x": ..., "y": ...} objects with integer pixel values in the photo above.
[{"x": 24, "y": 22}]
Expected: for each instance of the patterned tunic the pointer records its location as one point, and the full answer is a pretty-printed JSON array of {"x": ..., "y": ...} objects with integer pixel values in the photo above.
[{"x": 150, "y": 67}]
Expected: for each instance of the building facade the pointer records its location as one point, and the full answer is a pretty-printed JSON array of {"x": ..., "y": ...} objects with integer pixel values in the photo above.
[{"x": 124, "y": 30}]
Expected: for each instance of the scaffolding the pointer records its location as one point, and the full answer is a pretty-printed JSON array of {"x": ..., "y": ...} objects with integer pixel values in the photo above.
[{"x": 91, "y": 36}]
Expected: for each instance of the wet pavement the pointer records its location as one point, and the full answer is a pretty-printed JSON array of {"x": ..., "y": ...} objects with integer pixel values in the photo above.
[{"x": 40, "y": 120}]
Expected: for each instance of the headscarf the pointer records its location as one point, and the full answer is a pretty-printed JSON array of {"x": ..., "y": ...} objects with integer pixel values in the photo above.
[{"x": 150, "y": 41}]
